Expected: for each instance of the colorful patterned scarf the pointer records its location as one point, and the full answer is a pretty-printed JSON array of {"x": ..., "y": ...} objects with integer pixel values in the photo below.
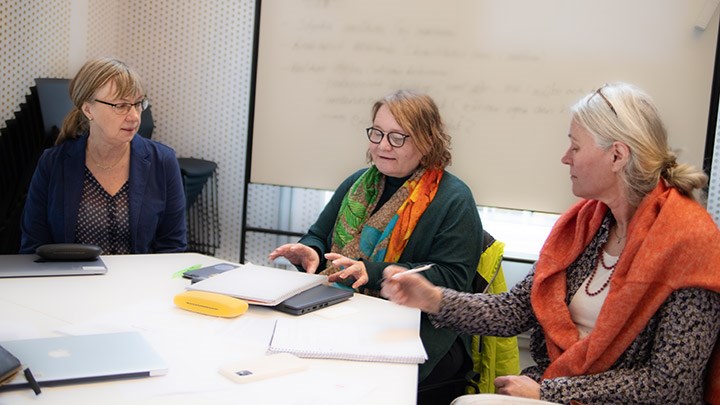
[
  {"x": 672, "y": 244},
  {"x": 383, "y": 235}
]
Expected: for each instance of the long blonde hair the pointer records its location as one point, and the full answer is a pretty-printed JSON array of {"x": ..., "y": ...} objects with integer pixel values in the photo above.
[
  {"x": 624, "y": 113},
  {"x": 94, "y": 74}
]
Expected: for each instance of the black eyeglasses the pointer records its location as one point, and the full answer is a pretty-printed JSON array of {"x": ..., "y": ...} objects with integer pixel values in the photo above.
[
  {"x": 124, "y": 108},
  {"x": 395, "y": 139},
  {"x": 609, "y": 104}
]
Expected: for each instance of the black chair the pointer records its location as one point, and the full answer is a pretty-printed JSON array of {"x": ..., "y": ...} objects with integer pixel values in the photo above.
[{"x": 201, "y": 205}]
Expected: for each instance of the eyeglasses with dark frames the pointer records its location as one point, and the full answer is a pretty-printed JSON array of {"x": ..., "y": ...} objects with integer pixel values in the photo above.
[
  {"x": 124, "y": 108},
  {"x": 609, "y": 104},
  {"x": 395, "y": 139}
]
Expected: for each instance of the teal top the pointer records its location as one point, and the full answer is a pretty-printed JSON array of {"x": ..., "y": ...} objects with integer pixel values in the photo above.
[{"x": 449, "y": 234}]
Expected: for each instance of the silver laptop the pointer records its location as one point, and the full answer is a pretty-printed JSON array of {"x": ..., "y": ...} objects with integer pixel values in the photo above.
[
  {"x": 72, "y": 359},
  {"x": 33, "y": 266}
]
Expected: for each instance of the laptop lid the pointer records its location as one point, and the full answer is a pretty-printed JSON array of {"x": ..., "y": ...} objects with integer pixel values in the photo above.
[
  {"x": 72, "y": 359},
  {"x": 33, "y": 266},
  {"x": 315, "y": 298}
]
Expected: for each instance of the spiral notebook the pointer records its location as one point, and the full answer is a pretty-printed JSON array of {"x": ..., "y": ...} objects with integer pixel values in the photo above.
[
  {"x": 345, "y": 340},
  {"x": 259, "y": 285}
]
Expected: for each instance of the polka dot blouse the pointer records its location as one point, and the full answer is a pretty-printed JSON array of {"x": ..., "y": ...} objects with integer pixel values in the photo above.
[{"x": 103, "y": 220}]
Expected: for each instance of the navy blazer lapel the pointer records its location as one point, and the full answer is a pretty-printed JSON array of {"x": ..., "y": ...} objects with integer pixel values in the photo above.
[
  {"x": 139, "y": 172},
  {"x": 74, "y": 175}
]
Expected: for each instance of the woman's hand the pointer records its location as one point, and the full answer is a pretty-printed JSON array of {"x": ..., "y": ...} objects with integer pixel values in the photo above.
[
  {"x": 298, "y": 254},
  {"x": 412, "y": 290},
  {"x": 517, "y": 386},
  {"x": 350, "y": 268}
]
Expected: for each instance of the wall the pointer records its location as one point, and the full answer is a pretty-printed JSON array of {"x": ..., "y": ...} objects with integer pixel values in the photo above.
[
  {"x": 503, "y": 73},
  {"x": 197, "y": 62},
  {"x": 33, "y": 43},
  {"x": 713, "y": 200}
]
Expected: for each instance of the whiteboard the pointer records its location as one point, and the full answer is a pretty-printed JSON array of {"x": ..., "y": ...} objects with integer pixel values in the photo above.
[{"x": 503, "y": 73}]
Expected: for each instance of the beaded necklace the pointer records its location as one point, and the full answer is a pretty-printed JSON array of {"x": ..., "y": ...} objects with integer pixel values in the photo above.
[{"x": 592, "y": 276}]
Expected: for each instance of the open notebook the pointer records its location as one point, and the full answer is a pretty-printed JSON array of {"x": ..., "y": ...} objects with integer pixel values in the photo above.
[
  {"x": 259, "y": 285},
  {"x": 346, "y": 340}
]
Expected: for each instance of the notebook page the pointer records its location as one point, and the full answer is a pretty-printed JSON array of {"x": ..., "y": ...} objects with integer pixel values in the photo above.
[{"x": 338, "y": 339}]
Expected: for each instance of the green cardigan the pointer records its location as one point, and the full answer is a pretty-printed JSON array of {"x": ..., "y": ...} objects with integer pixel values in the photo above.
[{"x": 449, "y": 234}]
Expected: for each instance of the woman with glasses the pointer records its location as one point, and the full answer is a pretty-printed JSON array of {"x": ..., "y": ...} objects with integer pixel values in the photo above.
[
  {"x": 406, "y": 209},
  {"x": 103, "y": 184},
  {"x": 623, "y": 302}
]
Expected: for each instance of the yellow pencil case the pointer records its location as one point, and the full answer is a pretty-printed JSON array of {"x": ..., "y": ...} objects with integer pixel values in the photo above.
[{"x": 211, "y": 303}]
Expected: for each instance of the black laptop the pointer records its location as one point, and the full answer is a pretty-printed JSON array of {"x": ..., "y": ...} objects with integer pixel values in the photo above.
[{"x": 315, "y": 298}]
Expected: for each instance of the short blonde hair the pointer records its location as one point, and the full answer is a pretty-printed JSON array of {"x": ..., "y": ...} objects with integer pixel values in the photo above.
[
  {"x": 94, "y": 74},
  {"x": 621, "y": 112},
  {"x": 419, "y": 115}
]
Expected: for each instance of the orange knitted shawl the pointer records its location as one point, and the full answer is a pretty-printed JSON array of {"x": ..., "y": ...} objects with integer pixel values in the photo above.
[{"x": 672, "y": 244}]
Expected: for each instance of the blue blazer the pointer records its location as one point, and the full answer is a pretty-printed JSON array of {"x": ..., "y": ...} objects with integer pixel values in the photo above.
[{"x": 156, "y": 197}]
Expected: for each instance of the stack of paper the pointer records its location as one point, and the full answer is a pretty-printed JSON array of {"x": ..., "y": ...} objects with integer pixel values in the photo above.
[{"x": 259, "y": 285}]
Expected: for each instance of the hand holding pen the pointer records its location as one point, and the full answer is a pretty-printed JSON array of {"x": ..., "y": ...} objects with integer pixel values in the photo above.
[{"x": 403, "y": 287}]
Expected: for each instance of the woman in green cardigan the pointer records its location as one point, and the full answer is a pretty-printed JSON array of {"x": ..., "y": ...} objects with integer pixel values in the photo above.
[{"x": 404, "y": 209}]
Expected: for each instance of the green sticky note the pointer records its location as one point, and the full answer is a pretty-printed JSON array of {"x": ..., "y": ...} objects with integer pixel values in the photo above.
[{"x": 179, "y": 273}]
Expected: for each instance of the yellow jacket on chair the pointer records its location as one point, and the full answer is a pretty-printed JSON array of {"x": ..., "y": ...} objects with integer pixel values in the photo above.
[{"x": 493, "y": 356}]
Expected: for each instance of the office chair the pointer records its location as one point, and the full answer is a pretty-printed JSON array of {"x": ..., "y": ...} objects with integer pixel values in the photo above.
[{"x": 201, "y": 204}]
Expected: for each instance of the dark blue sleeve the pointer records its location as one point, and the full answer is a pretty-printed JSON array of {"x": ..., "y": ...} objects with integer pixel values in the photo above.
[
  {"x": 171, "y": 232},
  {"x": 35, "y": 225}
]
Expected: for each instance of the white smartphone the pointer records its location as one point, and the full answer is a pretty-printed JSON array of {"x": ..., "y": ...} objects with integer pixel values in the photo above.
[{"x": 260, "y": 368}]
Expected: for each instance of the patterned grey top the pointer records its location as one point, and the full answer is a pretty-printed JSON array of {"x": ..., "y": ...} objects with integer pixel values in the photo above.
[{"x": 665, "y": 364}]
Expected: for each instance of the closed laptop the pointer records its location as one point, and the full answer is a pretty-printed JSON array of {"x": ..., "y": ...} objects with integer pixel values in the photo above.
[
  {"x": 72, "y": 359},
  {"x": 32, "y": 265},
  {"x": 315, "y": 298}
]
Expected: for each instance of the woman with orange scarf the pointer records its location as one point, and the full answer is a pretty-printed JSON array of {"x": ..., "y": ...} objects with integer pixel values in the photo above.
[
  {"x": 405, "y": 209},
  {"x": 623, "y": 302}
]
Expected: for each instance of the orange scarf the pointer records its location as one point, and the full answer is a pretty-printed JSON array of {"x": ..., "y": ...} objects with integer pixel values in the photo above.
[
  {"x": 672, "y": 244},
  {"x": 422, "y": 194}
]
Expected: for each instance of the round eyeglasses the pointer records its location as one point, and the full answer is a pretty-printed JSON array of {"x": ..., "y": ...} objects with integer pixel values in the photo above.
[
  {"x": 124, "y": 108},
  {"x": 395, "y": 139}
]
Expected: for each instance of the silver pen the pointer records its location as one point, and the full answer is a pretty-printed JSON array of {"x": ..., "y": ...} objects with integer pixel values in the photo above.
[{"x": 413, "y": 270}]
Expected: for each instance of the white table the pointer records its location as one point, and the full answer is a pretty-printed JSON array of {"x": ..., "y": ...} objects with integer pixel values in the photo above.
[{"x": 137, "y": 294}]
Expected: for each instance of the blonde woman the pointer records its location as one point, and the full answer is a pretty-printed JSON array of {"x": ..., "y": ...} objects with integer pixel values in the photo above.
[
  {"x": 103, "y": 184},
  {"x": 623, "y": 302}
]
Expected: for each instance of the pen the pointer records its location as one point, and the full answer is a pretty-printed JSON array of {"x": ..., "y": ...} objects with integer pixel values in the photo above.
[
  {"x": 32, "y": 381},
  {"x": 414, "y": 270}
]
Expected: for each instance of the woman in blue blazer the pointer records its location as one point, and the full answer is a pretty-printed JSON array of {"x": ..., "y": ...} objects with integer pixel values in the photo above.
[{"x": 103, "y": 184}]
